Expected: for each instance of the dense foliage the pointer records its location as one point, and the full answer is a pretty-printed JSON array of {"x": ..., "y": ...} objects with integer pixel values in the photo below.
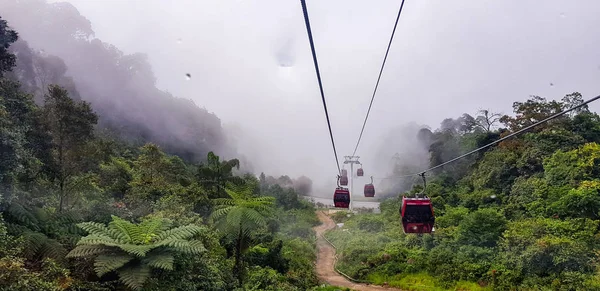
[
  {"x": 108, "y": 183},
  {"x": 83, "y": 210},
  {"x": 57, "y": 45},
  {"x": 524, "y": 213}
]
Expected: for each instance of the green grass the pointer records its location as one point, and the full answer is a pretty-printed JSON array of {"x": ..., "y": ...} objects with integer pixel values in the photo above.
[{"x": 422, "y": 282}]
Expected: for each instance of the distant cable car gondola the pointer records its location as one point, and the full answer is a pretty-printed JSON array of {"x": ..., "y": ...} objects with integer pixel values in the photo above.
[
  {"x": 344, "y": 173},
  {"x": 341, "y": 195},
  {"x": 370, "y": 189},
  {"x": 360, "y": 172},
  {"x": 417, "y": 213},
  {"x": 344, "y": 180}
]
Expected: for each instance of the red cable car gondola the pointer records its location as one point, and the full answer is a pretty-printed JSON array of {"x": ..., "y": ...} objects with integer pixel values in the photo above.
[
  {"x": 417, "y": 213},
  {"x": 360, "y": 172},
  {"x": 341, "y": 197},
  {"x": 370, "y": 189},
  {"x": 344, "y": 180}
]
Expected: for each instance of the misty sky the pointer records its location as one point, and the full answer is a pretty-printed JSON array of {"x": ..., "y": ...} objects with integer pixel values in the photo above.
[{"x": 250, "y": 64}]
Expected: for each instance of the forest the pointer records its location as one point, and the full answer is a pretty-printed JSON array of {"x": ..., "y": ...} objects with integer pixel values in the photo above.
[
  {"x": 99, "y": 193},
  {"x": 56, "y": 45},
  {"x": 523, "y": 214},
  {"x": 82, "y": 209}
]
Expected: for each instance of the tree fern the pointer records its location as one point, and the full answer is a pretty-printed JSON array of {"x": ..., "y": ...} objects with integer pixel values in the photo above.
[
  {"x": 161, "y": 260},
  {"x": 37, "y": 246},
  {"x": 131, "y": 250},
  {"x": 106, "y": 263},
  {"x": 237, "y": 217},
  {"x": 43, "y": 231},
  {"x": 181, "y": 232},
  {"x": 88, "y": 250},
  {"x": 18, "y": 214},
  {"x": 135, "y": 276}
]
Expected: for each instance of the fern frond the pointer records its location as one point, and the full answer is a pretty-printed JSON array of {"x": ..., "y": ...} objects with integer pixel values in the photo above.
[
  {"x": 110, "y": 262},
  {"x": 98, "y": 240},
  {"x": 23, "y": 216},
  {"x": 223, "y": 201},
  {"x": 254, "y": 216},
  {"x": 128, "y": 229},
  {"x": 218, "y": 213},
  {"x": 160, "y": 260},
  {"x": 182, "y": 232},
  {"x": 33, "y": 243},
  {"x": 134, "y": 277},
  {"x": 148, "y": 228},
  {"x": 16, "y": 229},
  {"x": 184, "y": 246},
  {"x": 235, "y": 216},
  {"x": 67, "y": 217},
  {"x": 54, "y": 250},
  {"x": 137, "y": 250},
  {"x": 236, "y": 195},
  {"x": 119, "y": 236},
  {"x": 87, "y": 250},
  {"x": 266, "y": 199},
  {"x": 94, "y": 228}
]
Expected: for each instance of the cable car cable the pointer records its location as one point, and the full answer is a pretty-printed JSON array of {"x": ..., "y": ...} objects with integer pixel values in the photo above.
[
  {"x": 314, "y": 55},
  {"x": 504, "y": 138},
  {"x": 378, "y": 78}
]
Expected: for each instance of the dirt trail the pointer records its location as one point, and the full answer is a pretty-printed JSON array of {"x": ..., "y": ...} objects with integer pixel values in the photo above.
[{"x": 326, "y": 259}]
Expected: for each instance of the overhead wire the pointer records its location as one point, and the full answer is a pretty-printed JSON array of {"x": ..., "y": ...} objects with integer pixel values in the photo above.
[
  {"x": 314, "y": 55},
  {"x": 500, "y": 140},
  {"x": 378, "y": 78}
]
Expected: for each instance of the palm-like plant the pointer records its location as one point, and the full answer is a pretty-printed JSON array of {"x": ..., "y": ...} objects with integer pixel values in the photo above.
[
  {"x": 215, "y": 174},
  {"x": 45, "y": 234},
  {"x": 238, "y": 216},
  {"x": 133, "y": 249}
]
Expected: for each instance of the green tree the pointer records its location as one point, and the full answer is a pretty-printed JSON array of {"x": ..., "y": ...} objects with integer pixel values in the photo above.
[
  {"x": 572, "y": 167},
  {"x": 536, "y": 252},
  {"x": 17, "y": 112},
  {"x": 152, "y": 175},
  {"x": 583, "y": 202},
  {"x": 214, "y": 175},
  {"x": 586, "y": 125},
  {"x": 531, "y": 111},
  {"x": 497, "y": 171},
  {"x": 71, "y": 126},
  {"x": 482, "y": 228},
  {"x": 237, "y": 217},
  {"x": 572, "y": 100},
  {"x": 7, "y": 37},
  {"x": 115, "y": 177},
  {"x": 132, "y": 250}
]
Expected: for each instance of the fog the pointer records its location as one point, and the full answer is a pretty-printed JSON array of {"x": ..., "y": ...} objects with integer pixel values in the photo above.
[{"x": 249, "y": 62}]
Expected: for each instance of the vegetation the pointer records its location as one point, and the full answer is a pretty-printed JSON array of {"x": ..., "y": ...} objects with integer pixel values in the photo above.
[
  {"x": 522, "y": 214},
  {"x": 95, "y": 195},
  {"x": 82, "y": 209}
]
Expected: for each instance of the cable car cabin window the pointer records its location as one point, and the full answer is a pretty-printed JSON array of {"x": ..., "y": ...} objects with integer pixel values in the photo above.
[
  {"x": 341, "y": 197},
  {"x": 417, "y": 213}
]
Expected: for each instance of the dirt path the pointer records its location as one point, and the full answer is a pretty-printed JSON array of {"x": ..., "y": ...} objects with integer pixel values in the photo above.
[{"x": 326, "y": 259}]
